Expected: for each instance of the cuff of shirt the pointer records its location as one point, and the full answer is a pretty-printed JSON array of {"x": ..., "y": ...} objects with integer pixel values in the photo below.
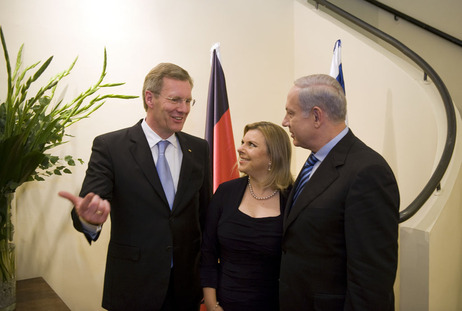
[{"x": 90, "y": 229}]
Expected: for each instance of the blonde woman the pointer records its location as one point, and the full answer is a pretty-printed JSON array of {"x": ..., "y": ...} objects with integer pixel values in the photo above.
[{"x": 241, "y": 247}]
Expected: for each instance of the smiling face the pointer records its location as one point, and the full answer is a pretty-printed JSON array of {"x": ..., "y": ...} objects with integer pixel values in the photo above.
[
  {"x": 253, "y": 154},
  {"x": 163, "y": 115},
  {"x": 299, "y": 123}
]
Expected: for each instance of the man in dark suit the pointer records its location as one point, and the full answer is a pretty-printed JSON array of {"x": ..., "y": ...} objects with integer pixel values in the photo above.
[
  {"x": 339, "y": 249},
  {"x": 153, "y": 254}
]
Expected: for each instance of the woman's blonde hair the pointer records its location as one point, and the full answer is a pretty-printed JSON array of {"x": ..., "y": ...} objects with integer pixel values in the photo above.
[{"x": 279, "y": 151}]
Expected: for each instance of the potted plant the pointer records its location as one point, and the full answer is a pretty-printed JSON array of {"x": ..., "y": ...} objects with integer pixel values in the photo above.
[{"x": 30, "y": 126}]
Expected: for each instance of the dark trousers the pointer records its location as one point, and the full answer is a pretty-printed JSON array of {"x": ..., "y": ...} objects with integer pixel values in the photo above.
[{"x": 171, "y": 303}]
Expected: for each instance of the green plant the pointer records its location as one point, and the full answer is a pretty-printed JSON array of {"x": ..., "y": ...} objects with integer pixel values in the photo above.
[
  {"x": 32, "y": 125},
  {"x": 29, "y": 127}
]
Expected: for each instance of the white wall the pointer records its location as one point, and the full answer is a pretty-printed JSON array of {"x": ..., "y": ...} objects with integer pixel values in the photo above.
[
  {"x": 442, "y": 55},
  {"x": 389, "y": 104},
  {"x": 257, "y": 56},
  {"x": 265, "y": 45},
  {"x": 399, "y": 115}
]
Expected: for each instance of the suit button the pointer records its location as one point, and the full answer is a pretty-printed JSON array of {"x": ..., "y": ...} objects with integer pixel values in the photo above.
[{"x": 169, "y": 248}]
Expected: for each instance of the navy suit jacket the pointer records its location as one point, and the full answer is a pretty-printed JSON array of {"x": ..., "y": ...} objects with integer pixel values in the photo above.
[
  {"x": 145, "y": 234},
  {"x": 340, "y": 242}
]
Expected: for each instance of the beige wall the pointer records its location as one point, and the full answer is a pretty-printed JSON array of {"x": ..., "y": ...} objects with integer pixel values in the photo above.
[
  {"x": 442, "y": 55},
  {"x": 265, "y": 45},
  {"x": 389, "y": 104},
  {"x": 399, "y": 115},
  {"x": 257, "y": 56},
  {"x": 445, "y": 275}
]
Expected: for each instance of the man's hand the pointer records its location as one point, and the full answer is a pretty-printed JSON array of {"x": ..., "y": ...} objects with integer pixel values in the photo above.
[{"x": 91, "y": 208}]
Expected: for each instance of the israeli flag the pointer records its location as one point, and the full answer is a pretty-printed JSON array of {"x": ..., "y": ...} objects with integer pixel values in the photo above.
[{"x": 336, "y": 66}]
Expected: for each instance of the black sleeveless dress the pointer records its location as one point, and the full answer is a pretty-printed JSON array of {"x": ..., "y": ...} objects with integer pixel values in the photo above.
[
  {"x": 241, "y": 254},
  {"x": 249, "y": 263}
]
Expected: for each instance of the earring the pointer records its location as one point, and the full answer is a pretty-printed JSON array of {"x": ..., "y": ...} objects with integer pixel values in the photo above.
[{"x": 269, "y": 167}]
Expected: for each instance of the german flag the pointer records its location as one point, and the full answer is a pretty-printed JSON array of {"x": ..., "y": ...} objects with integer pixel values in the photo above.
[{"x": 219, "y": 131}]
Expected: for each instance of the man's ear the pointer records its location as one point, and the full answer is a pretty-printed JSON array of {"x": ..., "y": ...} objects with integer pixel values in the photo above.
[
  {"x": 317, "y": 114},
  {"x": 148, "y": 97}
]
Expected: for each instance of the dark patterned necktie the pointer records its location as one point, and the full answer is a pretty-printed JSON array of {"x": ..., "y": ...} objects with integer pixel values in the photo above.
[
  {"x": 305, "y": 175},
  {"x": 164, "y": 173}
]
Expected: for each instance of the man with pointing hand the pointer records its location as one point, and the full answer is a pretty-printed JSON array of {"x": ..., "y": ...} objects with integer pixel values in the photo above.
[{"x": 155, "y": 183}]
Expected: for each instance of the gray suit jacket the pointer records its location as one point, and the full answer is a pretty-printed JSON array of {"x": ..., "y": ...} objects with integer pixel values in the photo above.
[
  {"x": 339, "y": 249},
  {"x": 144, "y": 232}
]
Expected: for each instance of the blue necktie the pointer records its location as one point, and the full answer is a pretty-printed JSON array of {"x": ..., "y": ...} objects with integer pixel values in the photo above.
[
  {"x": 164, "y": 173},
  {"x": 305, "y": 175}
]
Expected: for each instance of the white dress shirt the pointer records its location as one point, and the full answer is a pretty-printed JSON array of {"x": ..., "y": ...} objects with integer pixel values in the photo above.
[{"x": 173, "y": 154}]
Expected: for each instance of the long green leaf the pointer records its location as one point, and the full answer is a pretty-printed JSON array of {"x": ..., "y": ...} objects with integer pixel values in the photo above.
[{"x": 31, "y": 125}]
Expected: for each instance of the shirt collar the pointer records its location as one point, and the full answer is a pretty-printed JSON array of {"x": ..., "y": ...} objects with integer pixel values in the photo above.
[
  {"x": 324, "y": 151},
  {"x": 153, "y": 138}
]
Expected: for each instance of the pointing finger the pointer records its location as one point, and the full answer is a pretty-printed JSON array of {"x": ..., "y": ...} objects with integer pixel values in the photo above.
[{"x": 67, "y": 195}]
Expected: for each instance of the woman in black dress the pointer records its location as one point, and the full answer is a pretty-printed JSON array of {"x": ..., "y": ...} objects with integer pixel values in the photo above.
[{"x": 241, "y": 246}]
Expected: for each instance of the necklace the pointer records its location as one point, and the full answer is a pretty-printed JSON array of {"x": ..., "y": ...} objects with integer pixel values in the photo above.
[{"x": 261, "y": 198}]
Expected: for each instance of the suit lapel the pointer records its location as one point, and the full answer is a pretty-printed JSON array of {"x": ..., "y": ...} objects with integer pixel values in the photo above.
[
  {"x": 186, "y": 170},
  {"x": 143, "y": 157},
  {"x": 142, "y": 154},
  {"x": 322, "y": 178}
]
